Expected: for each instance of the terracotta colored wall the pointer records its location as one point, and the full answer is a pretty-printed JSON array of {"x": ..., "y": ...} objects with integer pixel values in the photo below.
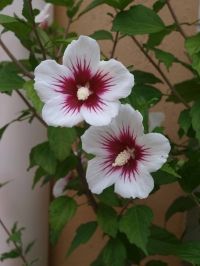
[{"x": 129, "y": 54}]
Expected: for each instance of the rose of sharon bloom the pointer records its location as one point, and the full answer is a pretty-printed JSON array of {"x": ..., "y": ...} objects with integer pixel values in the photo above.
[
  {"x": 83, "y": 88},
  {"x": 125, "y": 156},
  {"x": 155, "y": 120},
  {"x": 45, "y": 17}
]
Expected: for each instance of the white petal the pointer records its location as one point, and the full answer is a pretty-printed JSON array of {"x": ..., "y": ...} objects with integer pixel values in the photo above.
[
  {"x": 158, "y": 148},
  {"x": 54, "y": 114},
  {"x": 84, "y": 51},
  {"x": 122, "y": 81},
  {"x": 46, "y": 14},
  {"x": 100, "y": 116},
  {"x": 128, "y": 119},
  {"x": 92, "y": 139},
  {"x": 138, "y": 186},
  {"x": 155, "y": 120},
  {"x": 59, "y": 187},
  {"x": 97, "y": 177},
  {"x": 47, "y": 74}
]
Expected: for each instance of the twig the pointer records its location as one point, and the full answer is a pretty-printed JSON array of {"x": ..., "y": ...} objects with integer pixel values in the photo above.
[
  {"x": 160, "y": 72},
  {"x": 65, "y": 35},
  {"x": 114, "y": 44},
  {"x": 35, "y": 30},
  {"x": 16, "y": 246},
  {"x": 89, "y": 194},
  {"x": 31, "y": 108},
  {"x": 176, "y": 19},
  {"x": 17, "y": 63}
]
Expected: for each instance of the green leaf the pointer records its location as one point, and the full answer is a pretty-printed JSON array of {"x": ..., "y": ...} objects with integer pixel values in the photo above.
[
  {"x": 156, "y": 263},
  {"x": 102, "y": 35},
  {"x": 4, "y": 19},
  {"x": 192, "y": 44},
  {"x": 189, "y": 252},
  {"x": 38, "y": 175},
  {"x": 108, "y": 197},
  {"x": 91, "y": 6},
  {"x": 4, "y": 3},
  {"x": 158, "y": 5},
  {"x": 114, "y": 253},
  {"x": 61, "y": 211},
  {"x": 142, "y": 77},
  {"x": 9, "y": 80},
  {"x": 43, "y": 156},
  {"x": 26, "y": 11},
  {"x": 135, "y": 224},
  {"x": 188, "y": 89},
  {"x": 181, "y": 204},
  {"x": 83, "y": 235},
  {"x": 32, "y": 95},
  {"x": 165, "y": 57},
  {"x": 195, "y": 115},
  {"x": 13, "y": 254},
  {"x": 185, "y": 120},
  {"x": 138, "y": 20},
  {"x": 120, "y": 4},
  {"x": 107, "y": 220},
  {"x": 60, "y": 140},
  {"x": 2, "y": 130}
]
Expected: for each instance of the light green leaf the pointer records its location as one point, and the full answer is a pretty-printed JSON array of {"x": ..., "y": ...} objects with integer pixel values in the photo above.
[
  {"x": 181, "y": 204},
  {"x": 165, "y": 57},
  {"x": 138, "y": 20},
  {"x": 195, "y": 114},
  {"x": 135, "y": 224},
  {"x": 60, "y": 140},
  {"x": 61, "y": 211},
  {"x": 102, "y": 35},
  {"x": 192, "y": 44},
  {"x": 4, "y": 19},
  {"x": 43, "y": 156},
  {"x": 83, "y": 235},
  {"x": 4, "y": 3},
  {"x": 32, "y": 95},
  {"x": 107, "y": 220}
]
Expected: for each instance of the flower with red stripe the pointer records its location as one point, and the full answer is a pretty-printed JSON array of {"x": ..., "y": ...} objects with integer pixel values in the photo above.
[
  {"x": 125, "y": 156},
  {"x": 83, "y": 88}
]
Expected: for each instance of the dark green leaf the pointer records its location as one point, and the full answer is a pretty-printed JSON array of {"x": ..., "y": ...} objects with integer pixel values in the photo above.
[
  {"x": 4, "y": 3},
  {"x": 102, "y": 35},
  {"x": 29, "y": 247},
  {"x": 60, "y": 140},
  {"x": 38, "y": 176},
  {"x": 13, "y": 254},
  {"x": 92, "y": 5},
  {"x": 83, "y": 235},
  {"x": 142, "y": 77},
  {"x": 108, "y": 197},
  {"x": 120, "y": 4},
  {"x": 26, "y": 11},
  {"x": 181, "y": 204},
  {"x": 107, "y": 220},
  {"x": 185, "y": 120},
  {"x": 188, "y": 89},
  {"x": 9, "y": 80},
  {"x": 114, "y": 253},
  {"x": 195, "y": 115},
  {"x": 2, "y": 130},
  {"x": 61, "y": 211},
  {"x": 135, "y": 224},
  {"x": 166, "y": 175},
  {"x": 138, "y": 20},
  {"x": 158, "y": 5},
  {"x": 43, "y": 156},
  {"x": 189, "y": 252}
]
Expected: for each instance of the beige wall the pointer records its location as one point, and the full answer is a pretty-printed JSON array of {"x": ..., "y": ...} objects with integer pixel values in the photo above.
[{"x": 129, "y": 54}]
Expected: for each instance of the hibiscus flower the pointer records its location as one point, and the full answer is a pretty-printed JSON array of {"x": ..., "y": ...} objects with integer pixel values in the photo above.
[
  {"x": 125, "y": 156},
  {"x": 45, "y": 17},
  {"x": 83, "y": 88}
]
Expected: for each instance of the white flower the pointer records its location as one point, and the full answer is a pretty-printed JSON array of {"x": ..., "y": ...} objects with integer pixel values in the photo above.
[
  {"x": 60, "y": 186},
  {"x": 125, "y": 156},
  {"x": 45, "y": 17},
  {"x": 155, "y": 120},
  {"x": 83, "y": 88}
]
